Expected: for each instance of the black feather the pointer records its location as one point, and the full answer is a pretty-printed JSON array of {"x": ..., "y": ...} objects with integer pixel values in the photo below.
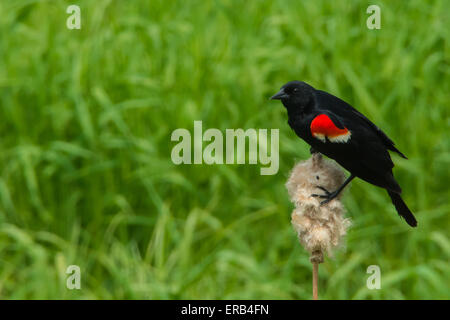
[{"x": 402, "y": 209}]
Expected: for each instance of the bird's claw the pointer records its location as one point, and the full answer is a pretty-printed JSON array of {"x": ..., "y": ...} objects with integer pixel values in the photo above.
[
  {"x": 328, "y": 196},
  {"x": 325, "y": 201},
  {"x": 324, "y": 190}
]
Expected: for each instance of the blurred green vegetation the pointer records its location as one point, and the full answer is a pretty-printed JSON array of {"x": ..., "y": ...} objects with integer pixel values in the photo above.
[{"x": 85, "y": 171}]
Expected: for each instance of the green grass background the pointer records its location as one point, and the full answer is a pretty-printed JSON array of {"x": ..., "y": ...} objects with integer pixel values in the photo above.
[{"x": 85, "y": 170}]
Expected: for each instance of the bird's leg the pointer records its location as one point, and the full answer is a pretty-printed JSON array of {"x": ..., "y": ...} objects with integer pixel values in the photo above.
[
  {"x": 312, "y": 150},
  {"x": 328, "y": 196}
]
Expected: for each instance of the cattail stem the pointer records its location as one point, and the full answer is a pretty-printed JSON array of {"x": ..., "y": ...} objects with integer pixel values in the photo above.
[
  {"x": 315, "y": 281},
  {"x": 316, "y": 258}
]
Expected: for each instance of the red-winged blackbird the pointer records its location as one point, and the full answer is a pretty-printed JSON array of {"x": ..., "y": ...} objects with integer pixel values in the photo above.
[{"x": 336, "y": 129}]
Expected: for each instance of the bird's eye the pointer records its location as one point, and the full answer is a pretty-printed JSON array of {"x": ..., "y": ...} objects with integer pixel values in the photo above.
[
  {"x": 317, "y": 177},
  {"x": 295, "y": 90}
]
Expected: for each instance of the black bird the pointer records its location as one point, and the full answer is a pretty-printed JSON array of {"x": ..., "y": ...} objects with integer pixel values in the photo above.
[{"x": 336, "y": 129}]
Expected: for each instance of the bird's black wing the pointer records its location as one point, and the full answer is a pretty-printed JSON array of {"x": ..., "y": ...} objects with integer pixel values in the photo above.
[
  {"x": 353, "y": 144},
  {"x": 341, "y": 107}
]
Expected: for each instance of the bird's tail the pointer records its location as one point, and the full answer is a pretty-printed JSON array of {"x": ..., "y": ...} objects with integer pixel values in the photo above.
[{"x": 402, "y": 209}]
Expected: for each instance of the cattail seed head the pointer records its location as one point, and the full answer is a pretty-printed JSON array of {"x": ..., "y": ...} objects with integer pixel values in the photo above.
[{"x": 320, "y": 228}]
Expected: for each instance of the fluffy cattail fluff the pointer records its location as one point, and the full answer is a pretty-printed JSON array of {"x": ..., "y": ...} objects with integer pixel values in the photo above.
[{"x": 320, "y": 229}]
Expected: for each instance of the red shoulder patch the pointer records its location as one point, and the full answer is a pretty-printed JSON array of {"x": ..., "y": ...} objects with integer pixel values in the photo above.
[{"x": 322, "y": 126}]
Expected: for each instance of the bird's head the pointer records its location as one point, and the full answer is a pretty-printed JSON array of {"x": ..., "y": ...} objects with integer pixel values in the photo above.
[{"x": 295, "y": 94}]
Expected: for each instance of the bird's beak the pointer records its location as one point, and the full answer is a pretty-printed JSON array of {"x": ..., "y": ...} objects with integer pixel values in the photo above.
[{"x": 279, "y": 95}]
